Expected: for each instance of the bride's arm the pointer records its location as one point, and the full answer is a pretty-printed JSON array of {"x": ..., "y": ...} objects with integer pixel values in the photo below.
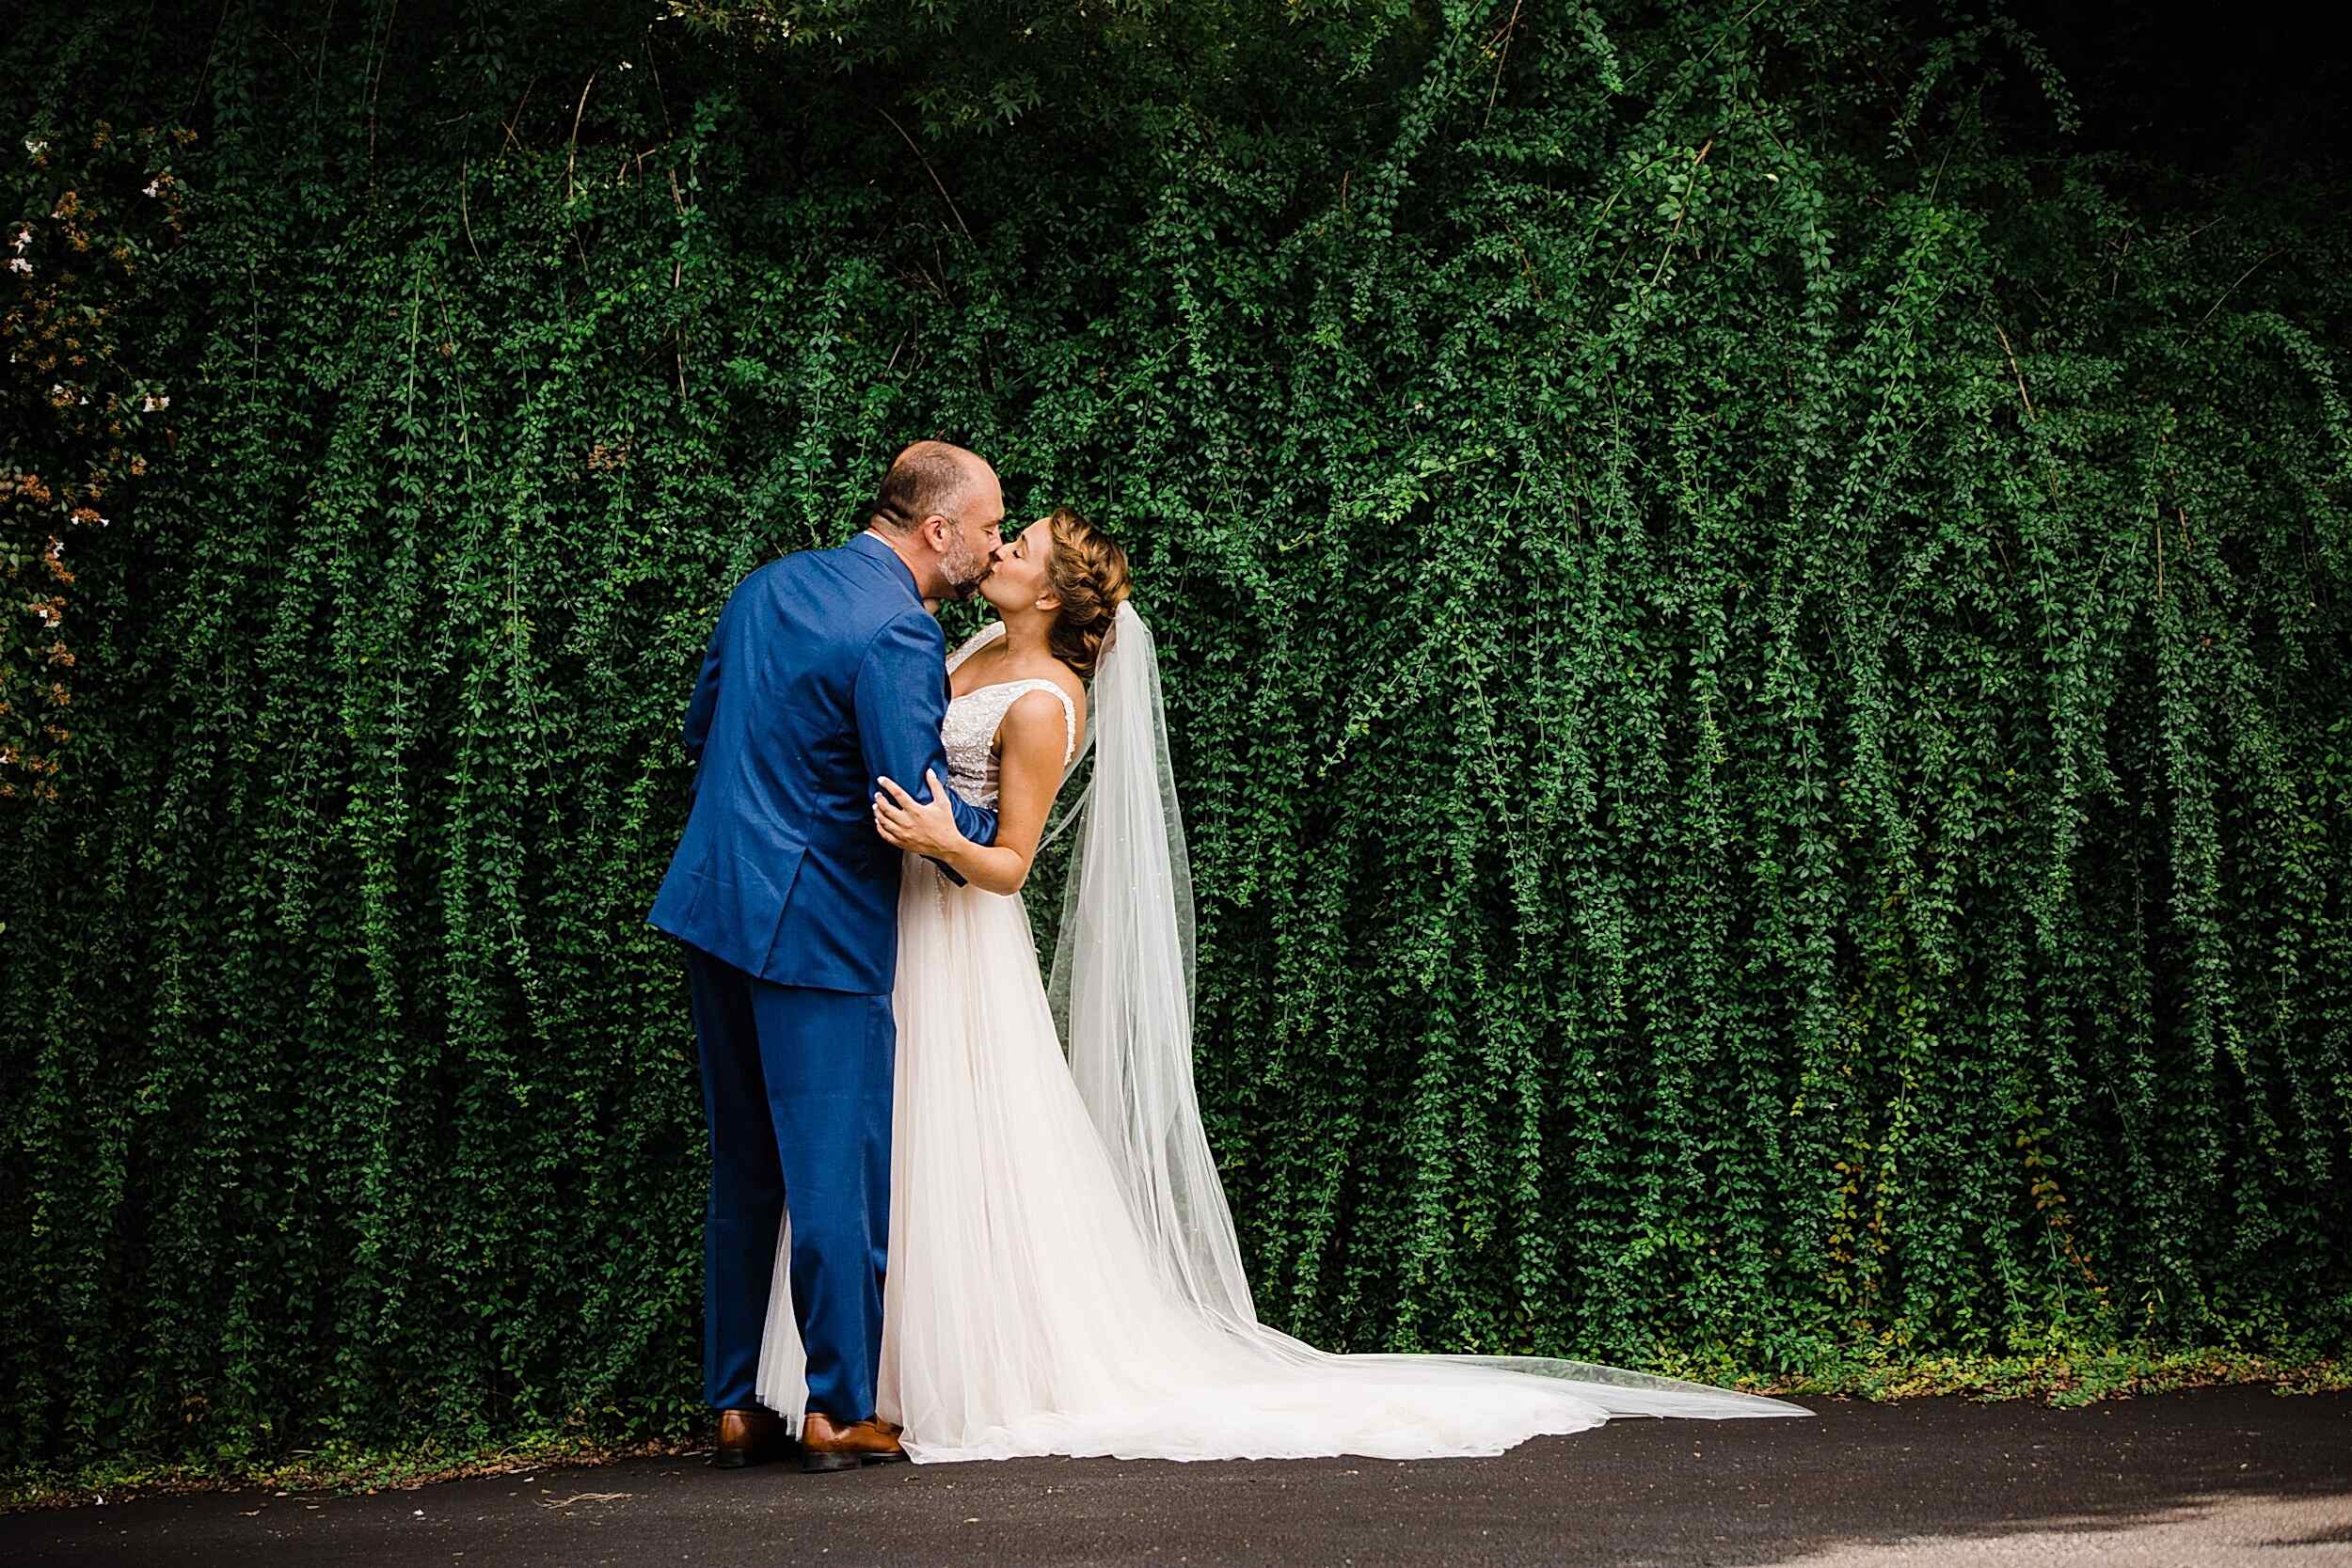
[{"x": 1032, "y": 741}]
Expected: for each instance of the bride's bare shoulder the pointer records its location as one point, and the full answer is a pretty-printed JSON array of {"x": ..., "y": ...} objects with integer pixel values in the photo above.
[
  {"x": 1047, "y": 668},
  {"x": 1036, "y": 730},
  {"x": 1072, "y": 688},
  {"x": 1035, "y": 718}
]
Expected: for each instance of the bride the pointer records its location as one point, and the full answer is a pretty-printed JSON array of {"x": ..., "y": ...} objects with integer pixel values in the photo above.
[{"x": 1063, "y": 1273}]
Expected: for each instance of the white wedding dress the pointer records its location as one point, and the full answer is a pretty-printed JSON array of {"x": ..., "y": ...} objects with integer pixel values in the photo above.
[{"x": 1063, "y": 1276}]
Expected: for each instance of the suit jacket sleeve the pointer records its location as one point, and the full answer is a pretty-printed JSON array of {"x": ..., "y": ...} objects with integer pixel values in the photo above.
[{"x": 901, "y": 698}]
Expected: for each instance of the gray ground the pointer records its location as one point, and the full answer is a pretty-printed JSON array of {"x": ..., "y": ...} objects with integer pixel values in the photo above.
[{"x": 2203, "y": 1479}]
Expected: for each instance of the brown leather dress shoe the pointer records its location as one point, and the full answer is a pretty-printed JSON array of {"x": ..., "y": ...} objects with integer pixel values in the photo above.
[
  {"x": 827, "y": 1446},
  {"x": 750, "y": 1438}
]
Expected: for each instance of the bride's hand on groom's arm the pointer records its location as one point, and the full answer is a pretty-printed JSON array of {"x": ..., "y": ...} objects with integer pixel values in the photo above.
[{"x": 924, "y": 827}]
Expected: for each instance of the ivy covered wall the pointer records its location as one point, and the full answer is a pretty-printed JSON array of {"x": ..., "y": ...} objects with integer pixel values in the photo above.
[{"x": 1756, "y": 649}]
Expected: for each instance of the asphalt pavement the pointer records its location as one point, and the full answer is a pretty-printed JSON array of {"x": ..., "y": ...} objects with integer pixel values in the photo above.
[{"x": 2207, "y": 1479}]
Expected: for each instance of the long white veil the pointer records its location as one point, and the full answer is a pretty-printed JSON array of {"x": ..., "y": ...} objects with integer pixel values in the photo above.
[
  {"x": 1121, "y": 993},
  {"x": 1123, "y": 982}
]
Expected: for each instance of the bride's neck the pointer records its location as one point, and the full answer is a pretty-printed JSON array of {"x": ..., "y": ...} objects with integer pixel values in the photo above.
[{"x": 1025, "y": 635}]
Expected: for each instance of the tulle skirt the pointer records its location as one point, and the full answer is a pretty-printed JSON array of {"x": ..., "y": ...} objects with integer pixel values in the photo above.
[{"x": 1023, "y": 1313}]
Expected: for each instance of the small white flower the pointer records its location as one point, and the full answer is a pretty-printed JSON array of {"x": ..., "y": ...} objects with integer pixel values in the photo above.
[
  {"x": 155, "y": 403},
  {"x": 23, "y": 237},
  {"x": 150, "y": 187},
  {"x": 18, "y": 264},
  {"x": 37, "y": 149}
]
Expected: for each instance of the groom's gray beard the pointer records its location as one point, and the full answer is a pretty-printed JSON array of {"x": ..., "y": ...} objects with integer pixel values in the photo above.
[{"x": 966, "y": 570}]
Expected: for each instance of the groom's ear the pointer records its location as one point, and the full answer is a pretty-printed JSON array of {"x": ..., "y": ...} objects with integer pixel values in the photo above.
[{"x": 936, "y": 531}]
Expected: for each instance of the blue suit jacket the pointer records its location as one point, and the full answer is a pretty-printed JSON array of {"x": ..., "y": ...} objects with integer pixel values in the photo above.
[{"x": 823, "y": 673}]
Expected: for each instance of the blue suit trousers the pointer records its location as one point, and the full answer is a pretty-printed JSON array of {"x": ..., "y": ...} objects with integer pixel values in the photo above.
[{"x": 797, "y": 1092}]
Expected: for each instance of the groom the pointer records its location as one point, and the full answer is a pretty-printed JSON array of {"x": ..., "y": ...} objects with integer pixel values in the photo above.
[{"x": 825, "y": 672}]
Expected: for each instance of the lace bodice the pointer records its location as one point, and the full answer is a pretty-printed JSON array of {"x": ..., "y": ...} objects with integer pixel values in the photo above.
[
  {"x": 968, "y": 732},
  {"x": 969, "y": 735}
]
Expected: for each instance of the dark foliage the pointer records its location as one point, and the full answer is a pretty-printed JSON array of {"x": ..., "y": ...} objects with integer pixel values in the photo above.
[{"x": 1758, "y": 646}]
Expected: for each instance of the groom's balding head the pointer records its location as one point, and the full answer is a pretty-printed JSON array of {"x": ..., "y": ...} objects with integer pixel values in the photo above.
[
  {"x": 939, "y": 508},
  {"x": 934, "y": 479}
]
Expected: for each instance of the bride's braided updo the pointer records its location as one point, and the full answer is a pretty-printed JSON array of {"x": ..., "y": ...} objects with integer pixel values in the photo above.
[{"x": 1088, "y": 572}]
